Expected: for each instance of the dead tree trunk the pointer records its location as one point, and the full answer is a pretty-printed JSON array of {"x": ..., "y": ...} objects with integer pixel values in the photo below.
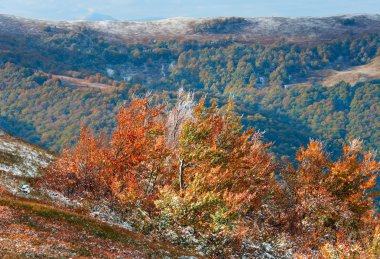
[{"x": 181, "y": 167}]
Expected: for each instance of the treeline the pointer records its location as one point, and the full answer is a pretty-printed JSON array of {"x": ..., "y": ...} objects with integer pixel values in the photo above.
[{"x": 191, "y": 175}]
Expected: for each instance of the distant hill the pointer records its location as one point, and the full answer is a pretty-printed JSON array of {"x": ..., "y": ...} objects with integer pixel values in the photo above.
[
  {"x": 147, "y": 19},
  {"x": 263, "y": 30}
]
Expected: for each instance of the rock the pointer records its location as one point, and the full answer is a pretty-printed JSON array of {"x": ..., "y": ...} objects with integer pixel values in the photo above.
[{"x": 25, "y": 188}]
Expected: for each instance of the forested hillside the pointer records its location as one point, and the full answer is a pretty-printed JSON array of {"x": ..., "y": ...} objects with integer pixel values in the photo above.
[{"x": 55, "y": 78}]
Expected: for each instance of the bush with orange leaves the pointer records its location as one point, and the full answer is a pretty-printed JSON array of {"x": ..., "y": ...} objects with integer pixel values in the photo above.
[
  {"x": 126, "y": 170},
  {"x": 331, "y": 201},
  {"x": 214, "y": 186}
]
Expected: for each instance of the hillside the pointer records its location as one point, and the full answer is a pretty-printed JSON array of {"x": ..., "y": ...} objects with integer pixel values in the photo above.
[
  {"x": 264, "y": 30},
  {"x": 20, "y": 162},
  {"x": 29, "y": 228},
  {"x": 32, "y": 224},
  {"x": 354, "y": 75}
]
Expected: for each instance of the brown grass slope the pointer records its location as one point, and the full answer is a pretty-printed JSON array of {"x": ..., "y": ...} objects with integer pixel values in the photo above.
[
  {"x": 31, "y": 228},
  {"x": 353, "y": 75}
]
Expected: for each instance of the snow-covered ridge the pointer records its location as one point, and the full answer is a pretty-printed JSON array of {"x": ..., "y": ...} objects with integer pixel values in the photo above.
[{"x": 261, "y": 28}]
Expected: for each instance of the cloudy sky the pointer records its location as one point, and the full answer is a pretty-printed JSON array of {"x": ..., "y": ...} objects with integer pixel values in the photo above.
[{"x": 142, "y": 9}]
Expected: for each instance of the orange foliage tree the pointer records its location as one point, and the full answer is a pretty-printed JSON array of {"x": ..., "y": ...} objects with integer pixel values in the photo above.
[
  {"x": 332, "y": 200},
  {"x": 232, "y": 162},
  {"x": 225, "y": 176},
  {"x": 77, "y": 172},
  {"x": 127, "y": 169},
  {"x": 137, "y": 153}
]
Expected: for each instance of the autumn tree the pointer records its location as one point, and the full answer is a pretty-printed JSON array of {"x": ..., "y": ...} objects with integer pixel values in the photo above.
[
  {"x": 137, "y": 153},
  {"x": 331, "y": 199},
  {"x": 234, "y": 161},
  {"x": 225, "y": 175},
  {"x": 127, "y": 169},
  {"x": 78, "y": 170}
]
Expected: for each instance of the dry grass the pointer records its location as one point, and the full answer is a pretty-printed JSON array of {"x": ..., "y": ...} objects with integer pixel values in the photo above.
[
  {"x": 34, "y": 229},
  {"x": 354, "y": 75}
]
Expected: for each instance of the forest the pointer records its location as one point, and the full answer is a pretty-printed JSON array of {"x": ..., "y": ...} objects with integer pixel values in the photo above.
[{"x": 47, "y": 112}]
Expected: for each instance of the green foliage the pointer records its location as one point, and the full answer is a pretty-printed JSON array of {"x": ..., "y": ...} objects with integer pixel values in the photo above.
[
  {"x": 49, "y": 112},
  {"x": 220, "y": 25}
]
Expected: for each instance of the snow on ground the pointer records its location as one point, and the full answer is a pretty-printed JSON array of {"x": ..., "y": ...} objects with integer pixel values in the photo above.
[
  {"x": 62, "y": 199},
  {"x": 261, "y": 28},
  {"x": 20, "y": 161},
  {"x": 20, "y": 158}
]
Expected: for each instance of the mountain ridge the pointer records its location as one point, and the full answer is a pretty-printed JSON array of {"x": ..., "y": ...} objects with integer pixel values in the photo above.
[{"x": 259, "y": 29}]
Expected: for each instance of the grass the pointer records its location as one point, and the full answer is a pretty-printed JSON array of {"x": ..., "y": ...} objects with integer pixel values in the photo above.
[
  {"x": 8, "y": 159},
  {"x": 92, "y": 227}
]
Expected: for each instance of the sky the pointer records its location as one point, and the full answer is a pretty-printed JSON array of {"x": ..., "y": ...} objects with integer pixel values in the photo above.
[{"x": 147, "y": 9}]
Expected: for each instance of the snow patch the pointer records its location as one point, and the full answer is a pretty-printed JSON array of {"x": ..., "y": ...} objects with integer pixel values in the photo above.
[
  {"x": 110, "y": 72},
  {"x": 105, "y": 214},
  {"x": 27, "y": 160},
  {"x": 62, "y": 199},
  {"x": 25, "y": 188}
]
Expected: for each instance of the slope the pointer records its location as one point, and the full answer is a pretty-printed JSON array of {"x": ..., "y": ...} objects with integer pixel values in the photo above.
[
  {"x": 364, "y": 73},
  {"x": 20, "y": 163},
  {"x": 31, "y": 226},
  {"x": 35, "y": 229}
]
